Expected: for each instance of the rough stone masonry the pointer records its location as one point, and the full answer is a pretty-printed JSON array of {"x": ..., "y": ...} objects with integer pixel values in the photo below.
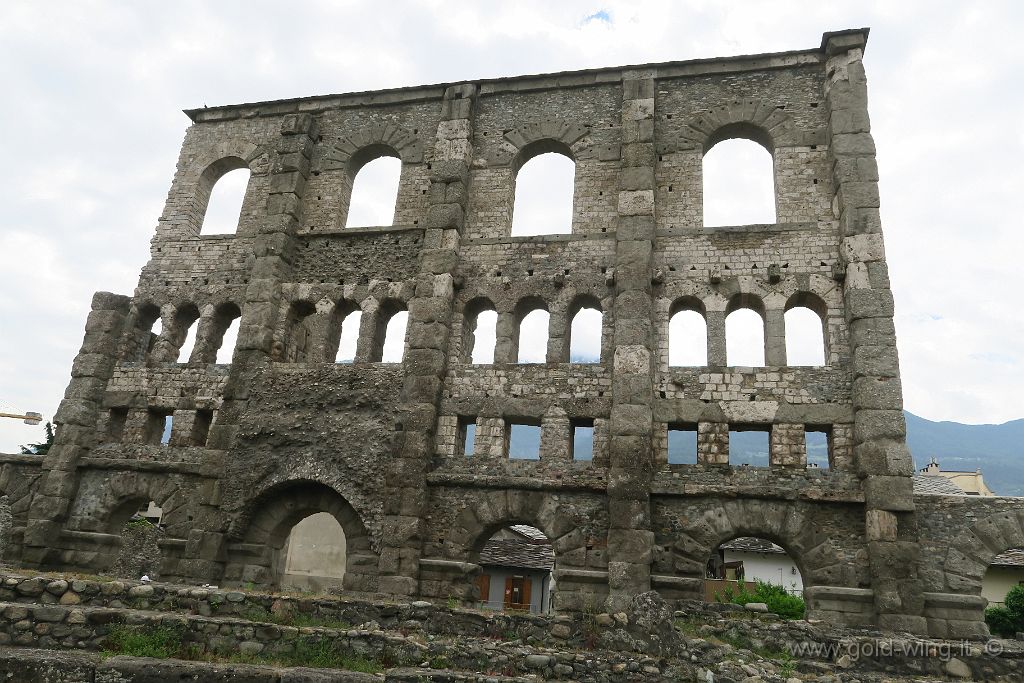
[{"x": 283, "y": 432}]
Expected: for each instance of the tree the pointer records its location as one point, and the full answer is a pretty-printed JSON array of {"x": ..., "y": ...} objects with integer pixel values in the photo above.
[{"x": 40, "y": 448}]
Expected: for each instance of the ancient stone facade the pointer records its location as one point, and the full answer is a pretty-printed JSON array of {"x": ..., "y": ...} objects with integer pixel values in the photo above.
[{"x": 283, "y": 431}]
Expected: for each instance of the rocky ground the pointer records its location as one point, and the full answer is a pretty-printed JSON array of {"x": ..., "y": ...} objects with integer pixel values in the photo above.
[{"x": 72, "y": 628}]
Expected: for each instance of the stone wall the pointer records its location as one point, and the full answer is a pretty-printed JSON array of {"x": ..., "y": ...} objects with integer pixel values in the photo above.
[{"x": 283, "y": 431}]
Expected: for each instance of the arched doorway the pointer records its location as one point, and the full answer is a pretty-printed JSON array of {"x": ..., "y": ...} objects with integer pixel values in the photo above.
[
  {"x": 752, "y": 569},
  {"x": 286, "y": 540}
]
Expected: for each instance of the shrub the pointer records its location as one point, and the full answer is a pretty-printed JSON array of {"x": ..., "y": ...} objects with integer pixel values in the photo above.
[
  {"x": 1001, "y": 622},
  {"x": 1008, "y": 620},
  {"x": 775, "y": 597}
]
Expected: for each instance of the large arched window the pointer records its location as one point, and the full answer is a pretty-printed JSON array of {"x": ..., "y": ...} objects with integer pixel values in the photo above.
[
  {"x": 585, "y": 332},
  {"x": 224, "y": 204},
  {"x": 687, "y": 334},
  {"x": 544, "y": 192},
  {"x": 532, "y": 342},
  {"x": 375, "y": 191},
  {"x": 739, "y": 180},
  {"x": 744, "y": 333},
  {"x": 805, "y": 331}
]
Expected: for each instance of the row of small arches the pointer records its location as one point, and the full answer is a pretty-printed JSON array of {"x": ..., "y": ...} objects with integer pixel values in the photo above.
[
  {"x": 544, "y": 189},
  {"x": 340, "y": 333}
]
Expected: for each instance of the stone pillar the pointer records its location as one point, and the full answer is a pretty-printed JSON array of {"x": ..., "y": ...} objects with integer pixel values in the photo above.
[
  {"x": 555, "y": 433},
  {"x": 630, "y": 538},
  {"x": 713, "y": 443},
  {"x": 788, "y": 446},
  {"x": 774, "y": 337},
  {"x": 506, "y": 337},
  {"x": 716, "y": 339},
  {"x": 76, "y": 420},
  {"x": 274, "y": 247},
  {"x": 883, "y": 460},
  {"x": 430, "y": 315}
]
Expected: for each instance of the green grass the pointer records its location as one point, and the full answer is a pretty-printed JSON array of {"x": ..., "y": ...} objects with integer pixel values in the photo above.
[
  {"x": 161, "y": 642},
  {"x": 165, "y": 642},
  {"x": 297, "y": 619}
]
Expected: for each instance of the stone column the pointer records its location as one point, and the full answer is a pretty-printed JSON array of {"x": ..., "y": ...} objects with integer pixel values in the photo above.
[
  {"x": 274, "y": 247},
  {"x": 716, "y": 338},
  {"x": 430, "y": 314},
  {"x": 630, "y": 538},
  {"x": 788, "y": 447},
  {"x": 76, "y": 421},
  {"x": 882, "y": 457},
  {"x": 713, "y": 443},
  {"x": 774, "y": 337}
]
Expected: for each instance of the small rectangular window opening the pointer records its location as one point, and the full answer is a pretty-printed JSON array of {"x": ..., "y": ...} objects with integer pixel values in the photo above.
[
  {"x": 467, "y": 435},
  {"x": 201, "y": 427},
  {"x": 116, "y": 423},
  {"x": 524, "y": 441},
  {"x": 682, "y": 444},
  {"x": 158, "y": 427},
  {"x": 582, "y": 443},
  {"x": 818, "y": 442},
  {"x": 749, "y": 445}
]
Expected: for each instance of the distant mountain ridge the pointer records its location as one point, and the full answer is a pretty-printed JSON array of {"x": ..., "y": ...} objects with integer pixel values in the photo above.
[{"x": 997, "y": 449}]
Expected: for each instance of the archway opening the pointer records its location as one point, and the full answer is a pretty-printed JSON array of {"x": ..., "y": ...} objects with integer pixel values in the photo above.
[
  {"x": 687, "y": 339},
  {"x": 313, "y": 556},
  {"x": 585, "y": 335},
  {"x": 544, "y": 195},
  {"x": 805, "y": 337},
  {"x": 744, "y": 338},
  {"x": 139, "y": 524},
  {"x": 739, "y": 184},
  {"x": 516, "y": 566},
  {"x": 348, "y": 339},
  {"x": 484, "y": 338},
  {"x": 752, "y": 569},
  {"x": 533, "y": 337},
  {"x": 224, "y": 209},
  {"x": 375, "y": 193},
  {"x": 393, "y": 347}
]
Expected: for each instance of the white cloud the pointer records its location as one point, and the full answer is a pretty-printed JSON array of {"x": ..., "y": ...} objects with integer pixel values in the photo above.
[{"x": 92, "y": 129}]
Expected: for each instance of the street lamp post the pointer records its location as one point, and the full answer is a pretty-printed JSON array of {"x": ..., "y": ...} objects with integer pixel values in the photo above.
[{"x": 28, "y": 418}]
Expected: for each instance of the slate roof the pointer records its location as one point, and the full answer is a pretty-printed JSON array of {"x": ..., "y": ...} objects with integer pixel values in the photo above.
[
  {"x": 1014, "y": 557},
  {"x": 530, "y": 532},
  {"x": 935, "y": 484},
  {"x": 747, "y": 544},
  {"x": 517, "y": 554}
]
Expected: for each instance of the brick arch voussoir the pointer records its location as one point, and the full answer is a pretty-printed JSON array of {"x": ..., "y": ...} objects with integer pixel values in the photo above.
[
  {"x": 779, "y": 125},
  {"x": 257, "y": 158},
  {"x": 973, "y": 550},
  {"x": 572, "y": 135},
  {"x": 403, "y": 141}
]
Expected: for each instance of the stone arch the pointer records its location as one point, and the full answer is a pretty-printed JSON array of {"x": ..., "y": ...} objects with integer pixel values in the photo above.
[
  {"x": 222, "y": 158},
  {"x": 352, "y": 152},
  {"x": 973, "y": 549},
  {"x": 178, "y": 320},
  {"x": 537, "y": 137},
  {"x": 792, "y": 526},
  {"x": 471, "y": 311},
  {"x": 121, "y": 497},
  {"x": 141, "y": 340},
  {"x": 524, "y": 307},
  {"x": 295, "y": 336},
  {"x": 213, "y": 323},
  {"x": 816, "y": 304},
  {"x": 340, "y": 311},
  {"x": 583, "y": 300},
  {"x": 754, "y": 120},
  {"x": 266, "y": 521}
]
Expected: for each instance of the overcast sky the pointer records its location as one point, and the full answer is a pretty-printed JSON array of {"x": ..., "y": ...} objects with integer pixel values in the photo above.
[{"x": 92, "y": 124}]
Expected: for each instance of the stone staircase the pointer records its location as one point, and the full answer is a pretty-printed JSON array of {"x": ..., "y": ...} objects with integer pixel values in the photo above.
[{"x": 70, "y": 629}]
